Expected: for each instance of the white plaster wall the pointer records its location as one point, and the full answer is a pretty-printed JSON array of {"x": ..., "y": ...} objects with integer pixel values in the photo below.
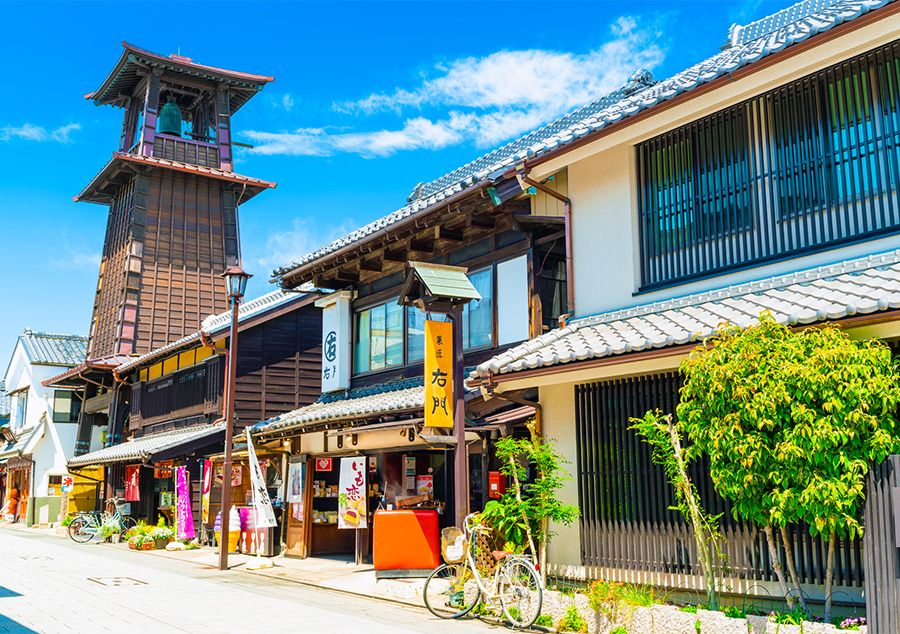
[{"x": 558, "y": 426}]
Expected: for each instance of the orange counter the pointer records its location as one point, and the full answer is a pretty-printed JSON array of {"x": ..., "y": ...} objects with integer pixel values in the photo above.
[{"x": 407, "y": 542}]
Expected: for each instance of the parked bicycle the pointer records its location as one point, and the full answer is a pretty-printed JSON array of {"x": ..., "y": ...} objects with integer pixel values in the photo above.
[
  {"x": 87, "y": 524},
  {"x": 455, "y": 588}
]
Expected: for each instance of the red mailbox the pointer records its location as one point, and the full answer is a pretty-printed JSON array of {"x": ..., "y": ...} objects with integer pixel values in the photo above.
[{"x": 496, "y": 484}]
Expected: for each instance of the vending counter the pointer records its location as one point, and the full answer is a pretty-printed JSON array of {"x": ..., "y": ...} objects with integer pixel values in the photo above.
[{"x": 406, "y": 543}]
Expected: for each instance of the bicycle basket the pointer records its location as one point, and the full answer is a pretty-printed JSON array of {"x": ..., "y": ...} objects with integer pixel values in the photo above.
[{"x": 453, "y": 545}]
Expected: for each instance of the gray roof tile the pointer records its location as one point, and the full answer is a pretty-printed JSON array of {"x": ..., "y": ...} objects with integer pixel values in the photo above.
[
  {"x": 854, "y": 287},
  {"x": 143, "y": 448},
  {"x": 750, "y": 44},
  {"x": 47, "y": 348}
]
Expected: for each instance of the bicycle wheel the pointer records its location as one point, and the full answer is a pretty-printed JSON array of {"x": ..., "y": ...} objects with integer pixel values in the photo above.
[
  {"x": 520, "y": 592},
  {"x": 78, "y": 528},
  {"x": 450, "y": 591},
  {"x": 128, "y": 522}
]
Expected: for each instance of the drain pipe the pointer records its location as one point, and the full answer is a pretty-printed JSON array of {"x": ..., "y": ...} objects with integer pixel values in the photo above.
[
  {"x": 488, "y": 391},
  {"x": 524, "y": 179}
]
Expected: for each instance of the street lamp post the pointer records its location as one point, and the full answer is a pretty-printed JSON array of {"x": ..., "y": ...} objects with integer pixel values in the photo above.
[{"x": 236, "y": 281}]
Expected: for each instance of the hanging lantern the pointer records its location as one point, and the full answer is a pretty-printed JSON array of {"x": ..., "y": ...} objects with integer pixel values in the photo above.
[{"x": 170, "y": 118}]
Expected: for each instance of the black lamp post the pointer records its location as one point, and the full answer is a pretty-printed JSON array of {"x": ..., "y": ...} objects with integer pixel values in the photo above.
[{"x": 236, "y": 283}]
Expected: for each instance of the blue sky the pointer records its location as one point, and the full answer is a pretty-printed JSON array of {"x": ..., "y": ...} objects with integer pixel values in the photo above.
[{"x": 369, "y": 99}]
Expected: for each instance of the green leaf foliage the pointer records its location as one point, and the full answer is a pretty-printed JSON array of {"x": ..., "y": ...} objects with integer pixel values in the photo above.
[{"x": 791, "y": 421}]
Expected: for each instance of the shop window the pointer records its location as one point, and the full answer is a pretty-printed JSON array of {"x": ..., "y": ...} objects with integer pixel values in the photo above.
[
  {"x": 415, "y": 332},
  {"x": 54, "y": 485},
  {"x": 66, "y": 406},
  {"x": 19, "y": 407},
  {"x": 378, "y": 334},
  {"x": 478, "y": 316}
]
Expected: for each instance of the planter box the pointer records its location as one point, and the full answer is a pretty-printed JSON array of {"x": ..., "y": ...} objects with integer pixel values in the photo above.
[
  {"x": 132, "y": 545},
  {"x": 663, "y": 619},
  {"x": 160, "y": 544},
  {"x": 148, "y": 546}
]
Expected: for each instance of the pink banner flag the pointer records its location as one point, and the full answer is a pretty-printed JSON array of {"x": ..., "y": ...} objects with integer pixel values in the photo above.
[{"x": 185, "y": 523}]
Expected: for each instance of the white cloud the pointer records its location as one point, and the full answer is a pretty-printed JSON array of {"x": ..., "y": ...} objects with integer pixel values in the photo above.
[
  {"x": 77, "y": 260},
  {"x": 287, "y": 102},
  {"x": 483, "y": 100},
  {"x": 304, "y": 236},
  {"x": 31, "y": 132}
]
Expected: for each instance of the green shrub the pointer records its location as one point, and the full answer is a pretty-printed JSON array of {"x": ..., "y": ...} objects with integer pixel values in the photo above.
[
  {"x": 640, "y": 596},
  {"x": 544, "y": 620},
  {"x": 67, "y": 520},
  {"x": 572, "y": 621},
  {"x": 734, "y": 612},
  {"x": 689, "y": 608},
  {"x": 619, "y": 629}
]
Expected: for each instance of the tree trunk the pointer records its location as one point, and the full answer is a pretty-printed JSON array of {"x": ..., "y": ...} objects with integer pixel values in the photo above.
[
  {"x": 701, "y": 537},
  {"x": 776, "y": 565},
  {"x": 545, "y": 541},
  {"x": 518, "y": 489},
  {"x": 792, "y": 568},
  {"x": 829, "y": 575}
]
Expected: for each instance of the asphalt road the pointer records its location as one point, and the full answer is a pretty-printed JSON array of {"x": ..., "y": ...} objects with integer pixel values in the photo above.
[{"x": 48, "y": 584}]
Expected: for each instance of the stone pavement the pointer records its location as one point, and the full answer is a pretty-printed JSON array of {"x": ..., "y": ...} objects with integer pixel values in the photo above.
[{"x": 48, "y": 584}]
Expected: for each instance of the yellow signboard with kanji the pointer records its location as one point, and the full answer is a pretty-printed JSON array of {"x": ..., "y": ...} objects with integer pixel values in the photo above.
[{"x": 438, "y": 374}]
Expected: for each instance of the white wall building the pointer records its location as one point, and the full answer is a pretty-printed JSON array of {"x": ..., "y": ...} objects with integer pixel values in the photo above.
[{"x": 43, "y": 421}]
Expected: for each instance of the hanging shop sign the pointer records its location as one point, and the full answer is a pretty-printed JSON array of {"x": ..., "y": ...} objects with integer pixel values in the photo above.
[
  {"x": 163, "y": 469},
  {"x": 323, "y": 464},
  {"x": 185, "y": 525},
  {"x": 438, "y": 374},
  {"x": 237, "y": 476},
  {"x": 265, "y": 516},
  {"x": 352, "y": 493},
  {"x": 68, "y": 482},
  {"x": 335, "y": 341},
  {"x": 204, "y": 492},
  {"x": 133, "y": 483}
]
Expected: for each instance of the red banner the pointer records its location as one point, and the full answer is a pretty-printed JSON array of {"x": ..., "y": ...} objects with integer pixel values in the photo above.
[{"x": 133, "y": 483}]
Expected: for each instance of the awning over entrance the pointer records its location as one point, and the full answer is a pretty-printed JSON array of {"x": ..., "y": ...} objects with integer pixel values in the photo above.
[
  {"x": 23, "y": 444},
  {"x": 155, "y": 447}
]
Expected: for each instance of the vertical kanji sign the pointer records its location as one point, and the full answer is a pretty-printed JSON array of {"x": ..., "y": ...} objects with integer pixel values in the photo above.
[
  {"x": 438, "y": 374},
  {"x": 352, "y": 493}
]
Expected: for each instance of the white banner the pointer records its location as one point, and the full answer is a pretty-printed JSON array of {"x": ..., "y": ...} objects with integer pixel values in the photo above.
[
  {"x": 352, "y": 493},
  {"x": 335, "y": 341},
  {"x": 265, "y": 516}
]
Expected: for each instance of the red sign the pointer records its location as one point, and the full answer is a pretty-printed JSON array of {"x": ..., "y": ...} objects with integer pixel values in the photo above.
[
  {"x": 323, "y": 464},
  {"x": 163, "y": 469},
  {"x": 133, "y": 483}
]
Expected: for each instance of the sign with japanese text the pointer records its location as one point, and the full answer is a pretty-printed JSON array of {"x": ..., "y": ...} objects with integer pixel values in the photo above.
[
  {"x": 204, "y": 492},
  {"x": 438, "y": 374},
  {"x": 352, "y": 493},
  {"x": 163, "y": 469},
  {"x": 265, "y": 516},
  {"x": 184, "y": 523},
  {"x": 335, "y": 341},
  {"x": 133, "y": 483}
]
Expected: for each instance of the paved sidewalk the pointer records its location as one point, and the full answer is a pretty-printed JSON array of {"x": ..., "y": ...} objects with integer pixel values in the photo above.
[{"x": 53, "y": 585}]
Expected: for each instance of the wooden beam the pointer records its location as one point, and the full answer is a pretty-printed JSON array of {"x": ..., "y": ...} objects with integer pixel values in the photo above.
[
  {"x": 422, "y": 246},
  {"x": 371, "y": 265},
  {"x": 346, "y": 276},
  {"x": 477, "y": 220},
  {"x": 453, "y": 235},
  {"x": 394, "y": 257}
]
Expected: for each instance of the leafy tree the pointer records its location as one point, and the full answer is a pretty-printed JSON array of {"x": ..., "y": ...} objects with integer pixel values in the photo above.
[
  {"x": 524, "y": 513},
  {"x": 662, "y": 434},
  {"x": 791, "y": 421}
]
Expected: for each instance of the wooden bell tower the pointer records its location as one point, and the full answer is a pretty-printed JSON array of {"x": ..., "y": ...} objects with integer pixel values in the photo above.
[{"x": 173, "y": 200}]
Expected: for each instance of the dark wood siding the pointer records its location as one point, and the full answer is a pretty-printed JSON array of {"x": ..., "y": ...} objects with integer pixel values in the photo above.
[
  {"x": 279, "y": 365},
  {"x": 193, "y": 393}
]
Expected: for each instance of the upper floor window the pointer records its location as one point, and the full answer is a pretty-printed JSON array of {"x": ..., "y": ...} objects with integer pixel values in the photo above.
[
  {"x": 18, "y": 409},
  {"x": 384, "y": 336},
  {"x": 802, "y": 167},
  {"x": 66, "y": 406}
]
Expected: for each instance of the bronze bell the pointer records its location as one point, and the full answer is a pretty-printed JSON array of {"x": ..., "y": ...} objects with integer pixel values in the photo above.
[{"x": 170, "y": 119}]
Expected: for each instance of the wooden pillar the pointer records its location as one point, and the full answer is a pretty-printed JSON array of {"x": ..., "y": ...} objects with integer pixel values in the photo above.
[
  {"x": 223, "y": 128},
  {"x": 151, "y": 112}
]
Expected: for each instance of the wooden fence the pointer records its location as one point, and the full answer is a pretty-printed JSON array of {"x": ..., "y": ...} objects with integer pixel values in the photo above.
[{"x": 882, "y": 543}]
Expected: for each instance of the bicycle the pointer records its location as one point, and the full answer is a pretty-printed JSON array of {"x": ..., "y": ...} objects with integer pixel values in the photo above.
[
  {"x": 86, "y": 524},
  {"x": 453, "y": 589}
]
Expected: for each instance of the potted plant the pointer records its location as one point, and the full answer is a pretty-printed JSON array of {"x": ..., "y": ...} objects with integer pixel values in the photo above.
[
  {"x": 110, "y": 529},
  {"x": 161, "y": 536},
  {"x": 146, "y": 543},
  {"x": 133, "y": 541}
]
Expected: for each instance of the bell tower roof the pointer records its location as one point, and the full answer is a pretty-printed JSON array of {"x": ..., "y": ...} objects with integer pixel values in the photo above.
[{"x": 136, "y": 62}]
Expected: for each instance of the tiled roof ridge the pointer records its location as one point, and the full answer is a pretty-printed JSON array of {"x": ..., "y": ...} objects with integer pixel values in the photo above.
[
  {"x": 722, "y": 63},
  {"x": 742, "y": 33},
  {"x": 172, "y": 432},
  {"x": 219, "y": 319},
  {"x": 28, "y": 332},
  {"x": 804, "y": 277},
  {"x": 370, "y": 390}
]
